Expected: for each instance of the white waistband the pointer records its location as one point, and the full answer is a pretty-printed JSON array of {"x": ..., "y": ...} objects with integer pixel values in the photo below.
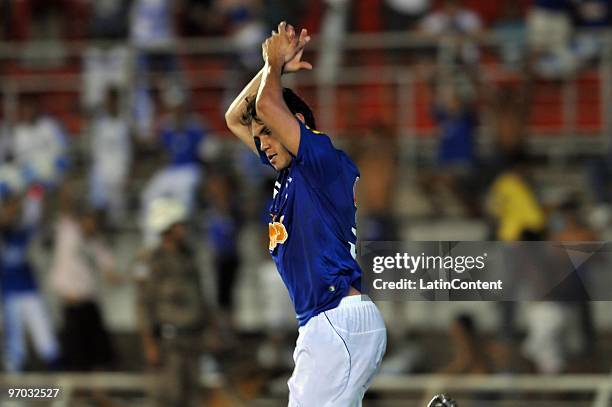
[{"x": 354, "y": 299}]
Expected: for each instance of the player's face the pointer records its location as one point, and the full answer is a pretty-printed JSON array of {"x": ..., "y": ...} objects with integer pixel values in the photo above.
[{"x": 278, "y": 155}]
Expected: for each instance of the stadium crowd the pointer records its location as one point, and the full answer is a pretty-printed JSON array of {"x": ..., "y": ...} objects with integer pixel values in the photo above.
[{"x": 148, "y": 167}]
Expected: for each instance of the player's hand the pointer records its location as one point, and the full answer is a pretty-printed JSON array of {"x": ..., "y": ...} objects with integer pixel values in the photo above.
[
  {"x": 296, "y": 63},
  {"x": 283, "y": 46}
]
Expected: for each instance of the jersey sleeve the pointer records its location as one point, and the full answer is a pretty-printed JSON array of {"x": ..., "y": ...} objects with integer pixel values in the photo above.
[{"x": 317, "y": 157}]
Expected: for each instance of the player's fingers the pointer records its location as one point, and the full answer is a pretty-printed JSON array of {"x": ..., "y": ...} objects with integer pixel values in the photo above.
[
  {"x": 290, "y": 31},
  {"x": 281, "y": 27},
  {"x": 303, "y": 35},
  {"x": 304, "y": 39},
  {"x": 296, "y": 58},
  {"x": 306, "y": 65}
]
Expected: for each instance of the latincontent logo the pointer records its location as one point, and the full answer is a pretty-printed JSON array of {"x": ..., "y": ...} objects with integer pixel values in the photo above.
[{"x": 412, "y": 264}]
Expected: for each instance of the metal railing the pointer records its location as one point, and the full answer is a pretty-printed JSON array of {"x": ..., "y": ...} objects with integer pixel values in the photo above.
[
  {"x": 598, "y": 388},
  {"x": 398, "y": 78}
]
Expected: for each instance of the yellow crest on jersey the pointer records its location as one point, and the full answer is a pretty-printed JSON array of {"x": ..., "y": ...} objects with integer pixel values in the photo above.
[
  {"x": 278, "y": 234},
  {"x": 313, "y": 130}
]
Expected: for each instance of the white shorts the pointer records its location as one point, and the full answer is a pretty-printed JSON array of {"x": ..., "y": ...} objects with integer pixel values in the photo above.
[{"x": 337, "y": 354}]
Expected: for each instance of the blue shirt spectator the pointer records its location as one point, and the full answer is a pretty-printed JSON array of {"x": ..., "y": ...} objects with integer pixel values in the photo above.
[
  {"x": 456, "y": 135},
  {"x": 182, "y": 142},
  {"x": 16, "y": 274},
  {"x": 223, "y": 233}
]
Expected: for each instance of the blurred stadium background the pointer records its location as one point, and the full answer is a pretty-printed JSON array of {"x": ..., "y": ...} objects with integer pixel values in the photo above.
[{"x": 469, "y": 120}]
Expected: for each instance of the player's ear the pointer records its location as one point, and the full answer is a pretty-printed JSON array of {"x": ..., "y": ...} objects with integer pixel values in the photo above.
[{"x": 300, "y": 117}]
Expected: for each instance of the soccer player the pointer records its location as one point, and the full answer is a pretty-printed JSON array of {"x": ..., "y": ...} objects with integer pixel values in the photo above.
[{"x": 342, "y": 336}]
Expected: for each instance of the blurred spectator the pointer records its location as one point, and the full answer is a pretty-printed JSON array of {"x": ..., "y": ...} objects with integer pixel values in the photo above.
[
  {"x": 511, "y": 108},
  {"x": 513, "y": 204},
  {"x": 39, "y": 144},
  {"x": 567, "y": 225},
  {"x": 510, "y": 31},
  {"x": 593, "y": 18},
  {"x": 552, "y": 336},
  {"x": 109, "y": 19},
  {"x": 456, "y": 158},
  {"x": 152, "y": 27},
  {"x": 455, "y": 25},
  {"x": 457, "y": 119},
  {"x": 223, "y": 221},
  {"x": 403, "y": 15},
  {"x": 152, "y": 34},
  {"x": 79, "y": 258},
  {"x": 246, "y": 30},
  {"x": 599, "y": 178},
  {"x": 104, "y": 68},
  {"x": 377, "y": 162},
  {"x": 182, "y": 138},
  {"x": 468, "y": 349},
  {"x": 111, "y": 154},
  {"x": 171, "y": 306},
  {"x": 549, "y": 31},
  {"x": 23, "y": 308},
  {"x": 278, "y": 318},
  {"x": 274, "y": 353},
  {"x": 105, "y": 65},
  {"x": 201, "y": 17}
]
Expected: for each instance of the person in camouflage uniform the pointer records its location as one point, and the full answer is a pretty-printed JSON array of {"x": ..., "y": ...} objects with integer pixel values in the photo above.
[{"x": 172, "y": 308}]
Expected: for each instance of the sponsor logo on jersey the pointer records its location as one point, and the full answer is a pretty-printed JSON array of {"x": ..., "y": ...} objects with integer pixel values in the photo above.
[{"x": 278, "y": 233}]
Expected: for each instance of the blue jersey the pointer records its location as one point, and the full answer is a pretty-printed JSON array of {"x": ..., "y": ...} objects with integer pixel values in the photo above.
[
  {"x": 457, "y": 136},
  {"x": 16, "y": 274},
  {"x": 183, "y": 143},
  {"x": 312, "y": 227}
]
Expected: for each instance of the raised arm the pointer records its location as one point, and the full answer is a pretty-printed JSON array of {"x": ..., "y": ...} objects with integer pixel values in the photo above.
[
  {"x": 238, "y": 106},
  {"x": 279, "y": 49}
]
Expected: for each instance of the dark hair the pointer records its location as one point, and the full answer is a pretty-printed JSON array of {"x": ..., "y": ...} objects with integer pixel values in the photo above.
[{"x": 293, "y": 102}]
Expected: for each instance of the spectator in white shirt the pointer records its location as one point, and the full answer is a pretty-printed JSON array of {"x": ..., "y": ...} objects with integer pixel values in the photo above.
[
  {"x": 105, "y": 64},
  {"x": 111, "y": 156},
  {"x": 38, "y": 144},
  {"x": 453, "y": 22},
  {"x": 549, "y": 32},
  {"x": 153, "y": 36}
]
